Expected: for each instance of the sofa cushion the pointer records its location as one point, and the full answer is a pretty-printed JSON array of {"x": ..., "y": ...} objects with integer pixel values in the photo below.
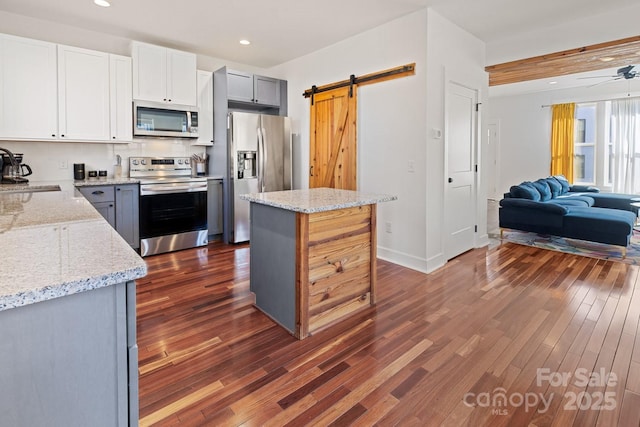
[
  {"x": 584, "y": 189},
  {"x": 543, "y": 188},
  {"x": 571, "y": 201},
  {"x": 613, "y": 200},
  {"x": 590, "y": 201},
  {"x": 612, "y": 226},
  {"x": 563, "y": 182},
  {"x": 551, "y": 208},
  {"x": 526, "y": 190},
  {"x": 554, "y": 186}
]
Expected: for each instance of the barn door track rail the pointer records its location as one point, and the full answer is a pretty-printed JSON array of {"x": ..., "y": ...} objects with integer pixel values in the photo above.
[{"x": 380, "y": 76}]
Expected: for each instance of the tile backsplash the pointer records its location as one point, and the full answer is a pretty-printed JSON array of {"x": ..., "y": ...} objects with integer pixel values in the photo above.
[{"x": 47, "y": 159}]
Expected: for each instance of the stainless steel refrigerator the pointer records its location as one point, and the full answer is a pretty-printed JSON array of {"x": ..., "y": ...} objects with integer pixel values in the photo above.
[{"x": 259, "y": 161}]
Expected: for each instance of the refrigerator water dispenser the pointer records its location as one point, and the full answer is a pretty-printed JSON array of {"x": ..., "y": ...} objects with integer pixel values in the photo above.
[{"x": 247, "y": 164}]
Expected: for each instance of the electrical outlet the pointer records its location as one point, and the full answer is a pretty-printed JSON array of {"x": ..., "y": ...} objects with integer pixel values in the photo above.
[
  {"x": 63, "y": 164},
  {"x": 411, "y": 166},
  {"x": 387, "y": 227}
]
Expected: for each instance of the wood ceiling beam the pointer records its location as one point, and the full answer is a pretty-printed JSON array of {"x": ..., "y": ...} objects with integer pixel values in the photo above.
[{"x": 624, "y": 52}]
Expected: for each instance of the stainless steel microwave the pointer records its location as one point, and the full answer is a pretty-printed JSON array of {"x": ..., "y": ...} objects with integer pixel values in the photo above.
[{"x": 153, "y": 119}]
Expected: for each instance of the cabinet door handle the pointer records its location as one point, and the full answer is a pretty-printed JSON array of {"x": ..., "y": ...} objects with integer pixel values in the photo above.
[
  {"x": 311, "y": 170},
  {"x": 98, "y": 192}
]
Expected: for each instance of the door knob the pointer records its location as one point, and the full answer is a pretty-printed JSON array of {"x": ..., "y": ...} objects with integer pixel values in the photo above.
[{"x": 450, "y": 180}]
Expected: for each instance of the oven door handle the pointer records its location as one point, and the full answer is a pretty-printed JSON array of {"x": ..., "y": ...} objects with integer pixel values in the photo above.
[{"x": 151, "y": 190}]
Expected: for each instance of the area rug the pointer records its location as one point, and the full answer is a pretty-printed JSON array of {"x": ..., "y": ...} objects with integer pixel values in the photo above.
[{"x": 577, "y": 247}]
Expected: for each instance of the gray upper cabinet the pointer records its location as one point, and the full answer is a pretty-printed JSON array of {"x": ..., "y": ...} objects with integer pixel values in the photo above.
[
  {"x": 266, "y": 90},
  {"x": 251, "y": 88}
]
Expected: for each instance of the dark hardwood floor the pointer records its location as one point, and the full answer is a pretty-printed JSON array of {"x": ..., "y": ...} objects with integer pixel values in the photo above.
[{"x": 509, "y": 336}]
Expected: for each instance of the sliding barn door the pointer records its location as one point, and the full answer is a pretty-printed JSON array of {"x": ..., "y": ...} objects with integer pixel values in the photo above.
[{"x": 333, "y": 154}]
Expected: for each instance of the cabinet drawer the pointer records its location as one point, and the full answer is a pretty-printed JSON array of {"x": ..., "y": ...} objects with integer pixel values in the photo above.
[{"x": 99, "y": 193}]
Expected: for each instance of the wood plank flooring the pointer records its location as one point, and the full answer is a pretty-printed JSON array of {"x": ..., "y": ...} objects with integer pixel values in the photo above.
[{"x": 512, "y": 336}]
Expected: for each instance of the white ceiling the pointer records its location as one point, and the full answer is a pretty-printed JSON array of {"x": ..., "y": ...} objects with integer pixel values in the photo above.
[{"x": 281, "y": 30}]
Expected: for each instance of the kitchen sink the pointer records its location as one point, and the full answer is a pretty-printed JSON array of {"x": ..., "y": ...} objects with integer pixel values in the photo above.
[{"x": 28, "y": 189}]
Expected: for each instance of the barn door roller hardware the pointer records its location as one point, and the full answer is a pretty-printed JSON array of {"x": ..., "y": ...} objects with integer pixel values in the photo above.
[{"x": 380, "y": 76}]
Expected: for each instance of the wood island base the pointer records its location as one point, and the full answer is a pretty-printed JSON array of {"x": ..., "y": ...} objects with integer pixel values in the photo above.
[{"x": 310, "y": 270}]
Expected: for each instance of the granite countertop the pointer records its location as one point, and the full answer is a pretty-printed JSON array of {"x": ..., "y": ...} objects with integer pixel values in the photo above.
[
  {"x": 54, "y": 243},
  {"x": 90, "y": 182},
  {"x": 316, "y": 199}
]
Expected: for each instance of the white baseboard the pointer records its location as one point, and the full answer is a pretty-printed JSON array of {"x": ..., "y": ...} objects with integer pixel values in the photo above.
[
  {"x": 482, "y": 241},
  {"x": 403, "y": 259}
]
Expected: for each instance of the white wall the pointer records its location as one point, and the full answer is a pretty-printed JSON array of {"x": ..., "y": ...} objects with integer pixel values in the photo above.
[
  {"x": 457, "y": 56},
  {"x": 391, "y": 125},
  {"x": 44, "y": 157},
  {"x": 394, "y": 122},
  {"x": 525, "y": 127}
]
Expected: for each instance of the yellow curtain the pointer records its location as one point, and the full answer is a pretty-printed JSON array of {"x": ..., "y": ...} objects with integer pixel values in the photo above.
[{"x": 562, "y": 139}]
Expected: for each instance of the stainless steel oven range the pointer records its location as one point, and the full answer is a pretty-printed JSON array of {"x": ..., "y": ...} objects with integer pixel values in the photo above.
[{"x": 173, "y": 204}]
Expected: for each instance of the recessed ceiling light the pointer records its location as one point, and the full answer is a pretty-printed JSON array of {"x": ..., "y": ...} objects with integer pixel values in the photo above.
[
  {"x": 607, "y": 59},
  {"x": 553, "y": 82},
  {"x": 103, "y": 3},
  {"x": 245, "y": 42}
]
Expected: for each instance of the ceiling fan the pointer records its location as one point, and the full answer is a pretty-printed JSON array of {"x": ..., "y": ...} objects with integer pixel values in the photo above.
[{"x": 629, "y": 72}]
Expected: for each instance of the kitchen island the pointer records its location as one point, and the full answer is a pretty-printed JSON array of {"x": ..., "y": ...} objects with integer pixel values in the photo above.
[
  {"x": 313, "y": 255},
  {"x": 68, "y": 353}
]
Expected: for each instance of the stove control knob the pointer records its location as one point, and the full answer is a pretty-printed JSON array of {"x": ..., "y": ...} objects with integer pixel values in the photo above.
[
  {"x": 186, "y": 161},
  {"x": 135, "y": 162},
  {"x": 179, "y": 161},
  {"x": 143, "y": 161}
]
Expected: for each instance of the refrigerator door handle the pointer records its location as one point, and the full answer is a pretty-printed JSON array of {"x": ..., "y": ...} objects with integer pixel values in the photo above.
[
  {"x": 260, "y": 161},
  {"x": 264, "y": 157}
]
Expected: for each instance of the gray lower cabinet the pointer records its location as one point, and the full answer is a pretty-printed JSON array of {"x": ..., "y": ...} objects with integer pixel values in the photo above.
[
  {"x": 119, "y": 205},
  {"x": 68, "y": 361},
  {"x": 214, "y": 206},
  {"x": 127, "y": 213},
  {"x": 107, "y": 210}
]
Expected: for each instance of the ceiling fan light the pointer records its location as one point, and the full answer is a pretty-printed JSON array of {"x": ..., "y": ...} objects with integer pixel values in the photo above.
[{"x": 245, "y": 42}]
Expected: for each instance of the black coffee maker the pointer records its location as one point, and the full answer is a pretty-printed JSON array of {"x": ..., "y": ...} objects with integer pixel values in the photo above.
[{"x": 13, "y": 170}]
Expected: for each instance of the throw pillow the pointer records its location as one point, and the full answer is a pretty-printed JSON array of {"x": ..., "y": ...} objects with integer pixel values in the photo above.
[
  {"x": 543, "y": 188},
  {"x": 555, "y": 187},
  {"x": 525, "y": 191},
  {"x": 563, "y": 181}
]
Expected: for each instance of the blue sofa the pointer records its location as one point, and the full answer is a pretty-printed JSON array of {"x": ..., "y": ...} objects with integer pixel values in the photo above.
[{"x": 553, "y": 206}]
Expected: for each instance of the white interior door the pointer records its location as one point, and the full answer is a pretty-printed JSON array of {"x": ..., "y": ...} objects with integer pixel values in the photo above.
[{"x": 460, "y": 190}]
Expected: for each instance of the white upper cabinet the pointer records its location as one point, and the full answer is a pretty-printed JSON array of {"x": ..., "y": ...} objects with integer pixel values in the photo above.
[
  {"x": 120, "y": 91},
  {"x": 163, "y": 75},
  {"x": 63, "y": 93},
  {"x": 83, "y": 94},
  {"x": 205, "y": 108},
  {"x": 28, "y": 105}
]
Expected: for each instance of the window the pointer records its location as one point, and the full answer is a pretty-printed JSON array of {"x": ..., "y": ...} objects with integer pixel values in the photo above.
[
  {"x": 584, "y": 162},
  {"x": 607, "y": 145}
]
